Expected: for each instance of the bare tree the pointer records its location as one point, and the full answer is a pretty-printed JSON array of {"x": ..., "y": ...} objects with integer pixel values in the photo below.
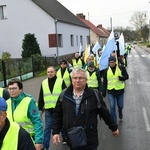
[{"x": 138, "y": 19}]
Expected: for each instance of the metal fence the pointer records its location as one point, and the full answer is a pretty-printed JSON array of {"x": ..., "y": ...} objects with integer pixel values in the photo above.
[{"x": 25, "y": 68}]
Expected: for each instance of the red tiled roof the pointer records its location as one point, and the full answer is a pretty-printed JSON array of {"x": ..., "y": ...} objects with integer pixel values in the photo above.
[
  {"x": 96, "y": 30},
  {"x": 103, "y": 29}
]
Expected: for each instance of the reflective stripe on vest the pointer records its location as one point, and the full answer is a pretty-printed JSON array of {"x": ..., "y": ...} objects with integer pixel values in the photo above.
[
  {"x": 11, "y": 138},
  {"x": 66, "y": 76},
  {"x": 50, "y": 99},
  {"x": 77, "y": 64},
  {"x": 20, "y": 114},
  {"x": 1, "y": 92},
  {"x": 92, "y": 80},
  {"x": 113, "y": 81}
]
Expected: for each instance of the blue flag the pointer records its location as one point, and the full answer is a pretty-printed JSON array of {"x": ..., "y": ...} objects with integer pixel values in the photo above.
[{"x": 109, "y": 48}]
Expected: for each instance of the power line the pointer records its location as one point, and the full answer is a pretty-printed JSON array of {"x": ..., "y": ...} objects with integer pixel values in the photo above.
[{"x": 108, "y": 15}]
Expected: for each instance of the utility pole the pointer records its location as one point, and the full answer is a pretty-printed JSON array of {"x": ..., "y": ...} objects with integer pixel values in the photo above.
[
  {"x": 149, "y": 32},
  {"x": 111, "y": 23}
]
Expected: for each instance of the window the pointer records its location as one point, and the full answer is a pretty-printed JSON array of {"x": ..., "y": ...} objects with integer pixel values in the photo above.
[
  {"x": 77, "y": 42},
  {"x": 3, "y": 12},
  {"x": 60, "y": 40},
  {"x": 71, "y": 40},
  {"x": 81, "y": 39},
  {"x": 52, "y": 38}
]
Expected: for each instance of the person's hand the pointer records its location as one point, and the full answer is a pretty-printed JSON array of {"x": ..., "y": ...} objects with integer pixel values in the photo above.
[
  {"x": 56, "y": 139},
  {"x": 115, "y": 133},
  {"x": 38, "y": 146}
]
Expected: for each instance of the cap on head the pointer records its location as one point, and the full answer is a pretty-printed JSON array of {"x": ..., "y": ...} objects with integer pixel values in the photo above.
[
  {"x": 90, "y": 64},
  {"x": 3, "y": 104},
  {"x": 112, "y": 58}
]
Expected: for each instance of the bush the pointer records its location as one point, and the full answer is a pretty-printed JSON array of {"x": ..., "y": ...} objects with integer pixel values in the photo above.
[{"x": 148, "y": 45}]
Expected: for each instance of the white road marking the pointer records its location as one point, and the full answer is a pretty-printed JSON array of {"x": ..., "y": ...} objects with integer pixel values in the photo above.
[
  {"x": 146, "y": 119},
  {"x": 136, "y": 56},
  {"x": 129, "y": 56},
  {"x": 143, "y": 55}
]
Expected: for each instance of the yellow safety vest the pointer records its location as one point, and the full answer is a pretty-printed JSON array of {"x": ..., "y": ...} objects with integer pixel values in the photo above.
[
  {"x": 66, "y": 76},
  {"x": 92, "y": 80},
  {"x": 10, "y": 141},
  {"x": 126, "y": 50},
  {"x": 77, "y": 64},
  {"x": 20, "y": 115},
  {"x": 1, "y": 92},
  {"x": 113, "y": 81},
  {"x": 50, "y": 99}
]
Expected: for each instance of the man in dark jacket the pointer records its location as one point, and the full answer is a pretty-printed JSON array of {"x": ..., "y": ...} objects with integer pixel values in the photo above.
[
  {"x": 76, "y": 104},
  {"x": 77, "y": 62},
  {"x": 113, "y": 83},
  {"x": 63, "y": 72},
  {"x": 12, "y": 136},
  {"x": 51, "y": 87},
  {"x": 94, "y": 77}
]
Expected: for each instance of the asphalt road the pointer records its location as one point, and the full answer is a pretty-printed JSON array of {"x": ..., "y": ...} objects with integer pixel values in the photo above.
[{"x": 135, "y": 127}]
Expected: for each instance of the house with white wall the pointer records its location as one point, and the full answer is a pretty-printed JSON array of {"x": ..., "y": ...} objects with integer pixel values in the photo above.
[
  {"x": 97, "y": 33},
  {"x": 57, "y": 30}
]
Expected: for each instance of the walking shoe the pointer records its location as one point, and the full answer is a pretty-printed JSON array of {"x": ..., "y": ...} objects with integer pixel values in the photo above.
[
  {"x": 64, "y": 141},
  {"x": 120, "y": 116}
]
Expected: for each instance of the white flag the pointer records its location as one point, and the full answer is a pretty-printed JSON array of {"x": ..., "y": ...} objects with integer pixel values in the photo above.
[
  {"x": 80, "y": 49},
  {"x": 96, "y": 47},
  {"x": 121, "y": 44}
]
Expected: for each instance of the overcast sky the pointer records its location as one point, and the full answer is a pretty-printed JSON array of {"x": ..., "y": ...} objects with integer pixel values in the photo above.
[{"x": 100, "y": 12}]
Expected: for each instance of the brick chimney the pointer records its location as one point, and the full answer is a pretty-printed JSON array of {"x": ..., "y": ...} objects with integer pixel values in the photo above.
[
  {"x": 81, "y": 15},
  {"x": 99, "y": 26}
]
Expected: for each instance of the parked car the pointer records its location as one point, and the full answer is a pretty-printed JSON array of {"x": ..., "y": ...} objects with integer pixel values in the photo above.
[{"x": 134, "y": 42}]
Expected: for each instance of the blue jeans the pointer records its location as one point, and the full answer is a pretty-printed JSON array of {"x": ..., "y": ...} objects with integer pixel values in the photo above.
[
  {"x": 112, "y": 102},
  {"x": 48, "y": 128}
]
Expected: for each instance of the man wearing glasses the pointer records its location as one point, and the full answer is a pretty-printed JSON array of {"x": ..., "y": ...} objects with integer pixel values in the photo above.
[{"x": 75, "y": 105}]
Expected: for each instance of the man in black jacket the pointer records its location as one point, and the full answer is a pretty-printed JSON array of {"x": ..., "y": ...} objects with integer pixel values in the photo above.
[
  {"x": 72, "y": 109},
  {"x": 113, "y": 83},
  {"x": 49, "y": 93},
  {"x": 12, "y": 136},
  {"x": 94, "y": 77},
  {"x": 63, "y": 72}
]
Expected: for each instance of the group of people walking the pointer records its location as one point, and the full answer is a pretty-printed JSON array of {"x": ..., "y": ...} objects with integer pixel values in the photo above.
[{"x": 70, "y": 96}]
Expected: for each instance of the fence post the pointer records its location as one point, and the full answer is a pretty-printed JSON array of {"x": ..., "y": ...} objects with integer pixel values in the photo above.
[
  {"x": 33, "y": 65},
  {"x": 4, "y": 73}
]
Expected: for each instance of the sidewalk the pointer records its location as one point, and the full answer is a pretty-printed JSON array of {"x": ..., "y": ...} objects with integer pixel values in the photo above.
[{"x": 32, "y": 86}]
